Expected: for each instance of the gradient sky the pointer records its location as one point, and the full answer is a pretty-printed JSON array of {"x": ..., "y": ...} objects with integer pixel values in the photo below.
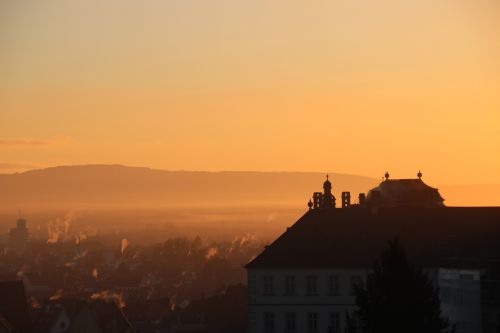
[{"x": 348, "y": 86}]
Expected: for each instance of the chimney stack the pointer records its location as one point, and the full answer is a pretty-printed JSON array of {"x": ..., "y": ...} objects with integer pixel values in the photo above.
[
  {"x": 362, "y": 198},
  {"x": 346, "y": 199},
  {"x": 317, "y": 199}
]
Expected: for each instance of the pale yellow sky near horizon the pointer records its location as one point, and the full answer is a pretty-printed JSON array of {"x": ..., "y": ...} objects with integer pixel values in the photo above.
[{"x": 357, "y": 87}]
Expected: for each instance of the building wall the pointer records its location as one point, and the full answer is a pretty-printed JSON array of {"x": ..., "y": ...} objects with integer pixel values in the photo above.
[
  {"x": 460, "y": 294},
  {"x": 459, "y": 291},
  {"x": 279, "y": 304},
  {"x": 490, "y": 302}
]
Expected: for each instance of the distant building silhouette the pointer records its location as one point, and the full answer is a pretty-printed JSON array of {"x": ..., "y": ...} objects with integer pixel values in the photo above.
[
  {"x": 18, "y": 236},
  {"x": 303, "y": 281}
]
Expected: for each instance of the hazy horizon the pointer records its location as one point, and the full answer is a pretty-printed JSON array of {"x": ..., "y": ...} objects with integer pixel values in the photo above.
[
  {"x": 402, "y": 176},
  {"x": 123, "y": 187}
]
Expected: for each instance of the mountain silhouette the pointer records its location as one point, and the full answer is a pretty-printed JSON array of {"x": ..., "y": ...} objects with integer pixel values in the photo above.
[
  {"x": 103, "y": 185},
  {"x": 122, "y": 186}
]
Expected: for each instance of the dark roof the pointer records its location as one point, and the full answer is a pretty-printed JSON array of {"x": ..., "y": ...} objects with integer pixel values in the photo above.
[
  {"x": 14, "y": 307},
  {"x": 405, "y": 192},
  {"x": 44, "y": 317},
  {"x": 354, "y": 237},
  {"x": 5, "y": 325},
  {"x": 37, "y": 278},
  {"x": 107, "y": 314}
]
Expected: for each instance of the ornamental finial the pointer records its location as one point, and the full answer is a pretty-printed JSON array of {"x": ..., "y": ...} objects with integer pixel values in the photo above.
[{"x": 419, "y": 174}]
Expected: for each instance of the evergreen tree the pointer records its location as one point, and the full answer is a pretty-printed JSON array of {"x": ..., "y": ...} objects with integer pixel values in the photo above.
[
  {"x": 398, "y": 297},
  {"x": 350, "y": 323}
]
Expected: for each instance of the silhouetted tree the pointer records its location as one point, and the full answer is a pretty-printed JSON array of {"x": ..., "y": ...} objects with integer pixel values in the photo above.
[
  {"x": 350, "y": 323},
  {"x": 398, "y": 297}
]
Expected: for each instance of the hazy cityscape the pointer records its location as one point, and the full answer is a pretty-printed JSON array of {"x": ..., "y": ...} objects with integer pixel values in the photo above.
[
  {"x": 221, "y": 269},
  {"x": 224, "y": 166}
]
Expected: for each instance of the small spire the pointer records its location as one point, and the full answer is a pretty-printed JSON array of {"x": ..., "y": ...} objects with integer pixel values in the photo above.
[
  {"x": 419, "y": 174},
  {"x": 386, "y": 175},
  {"x": 310, "y": 204},
  {"x": 327, "y": 185}
]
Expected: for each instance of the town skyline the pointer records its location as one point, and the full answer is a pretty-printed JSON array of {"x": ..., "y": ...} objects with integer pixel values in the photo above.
[{"x": 193, "y": 166}]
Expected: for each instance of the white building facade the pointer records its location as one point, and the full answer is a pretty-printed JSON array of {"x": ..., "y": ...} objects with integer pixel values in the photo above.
[
  {"x": 301, "y": 300},
  {"x": 309, "y": 301},
  {"x": 460, "y": 295}
]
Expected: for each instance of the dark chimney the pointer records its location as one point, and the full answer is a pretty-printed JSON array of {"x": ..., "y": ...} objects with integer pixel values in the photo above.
[
  {"x": 346, "y": 199},
  {"x": 317, "y": 199},
  {"x": 362, "y": 198}
]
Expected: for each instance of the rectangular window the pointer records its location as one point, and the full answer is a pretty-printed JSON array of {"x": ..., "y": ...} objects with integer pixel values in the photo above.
[
  {"x": 268, "y": 322},
  {"x": 334, "y": 325},
  {"x": 333, "y": 285},
  {"x": 268, "y": 285},
  {"x": 290, "y": 323},
  {"x": 458, "y": 296},
  {"x": 312, "y": 321},
  {"x": 445, "y": 294},
  {"x": 289, "y": 285},
  {"x": 355, "y": 281},
  {"x": 312, "y": 285}
]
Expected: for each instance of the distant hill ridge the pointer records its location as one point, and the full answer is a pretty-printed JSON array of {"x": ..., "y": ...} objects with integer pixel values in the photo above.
[
  {"x": 100, "y": 185},
  {"x": 118, "y": 185}
]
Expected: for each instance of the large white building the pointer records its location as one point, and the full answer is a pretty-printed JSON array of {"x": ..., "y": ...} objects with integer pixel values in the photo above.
[
  {"x": 303, "y": 282},
  {"x": 300, "y": 300}
]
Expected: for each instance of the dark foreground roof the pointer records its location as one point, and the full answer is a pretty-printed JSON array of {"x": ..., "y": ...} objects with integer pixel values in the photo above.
[
  {"x": 14, "y": 307},
  {"x": 354, "y": 237},
  {"x": 105, "y": 315}
]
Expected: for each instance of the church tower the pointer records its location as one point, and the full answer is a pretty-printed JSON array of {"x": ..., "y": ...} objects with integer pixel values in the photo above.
[
  {"x": 325, "y": 199},
  {"x": 328, "y": 198}
]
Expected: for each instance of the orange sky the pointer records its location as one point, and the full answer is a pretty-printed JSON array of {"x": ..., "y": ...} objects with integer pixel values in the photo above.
[{"x": 348, "y": 86}]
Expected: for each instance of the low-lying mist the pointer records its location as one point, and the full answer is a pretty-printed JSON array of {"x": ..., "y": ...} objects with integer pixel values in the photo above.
[{"x": 146, "y": 226}]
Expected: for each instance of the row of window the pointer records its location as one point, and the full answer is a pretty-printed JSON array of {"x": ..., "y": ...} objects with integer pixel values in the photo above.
[
  {"x": 290, "y": 284},
  {"x": 312, "y": 319},
  {"x": 458, "y": 296}
]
